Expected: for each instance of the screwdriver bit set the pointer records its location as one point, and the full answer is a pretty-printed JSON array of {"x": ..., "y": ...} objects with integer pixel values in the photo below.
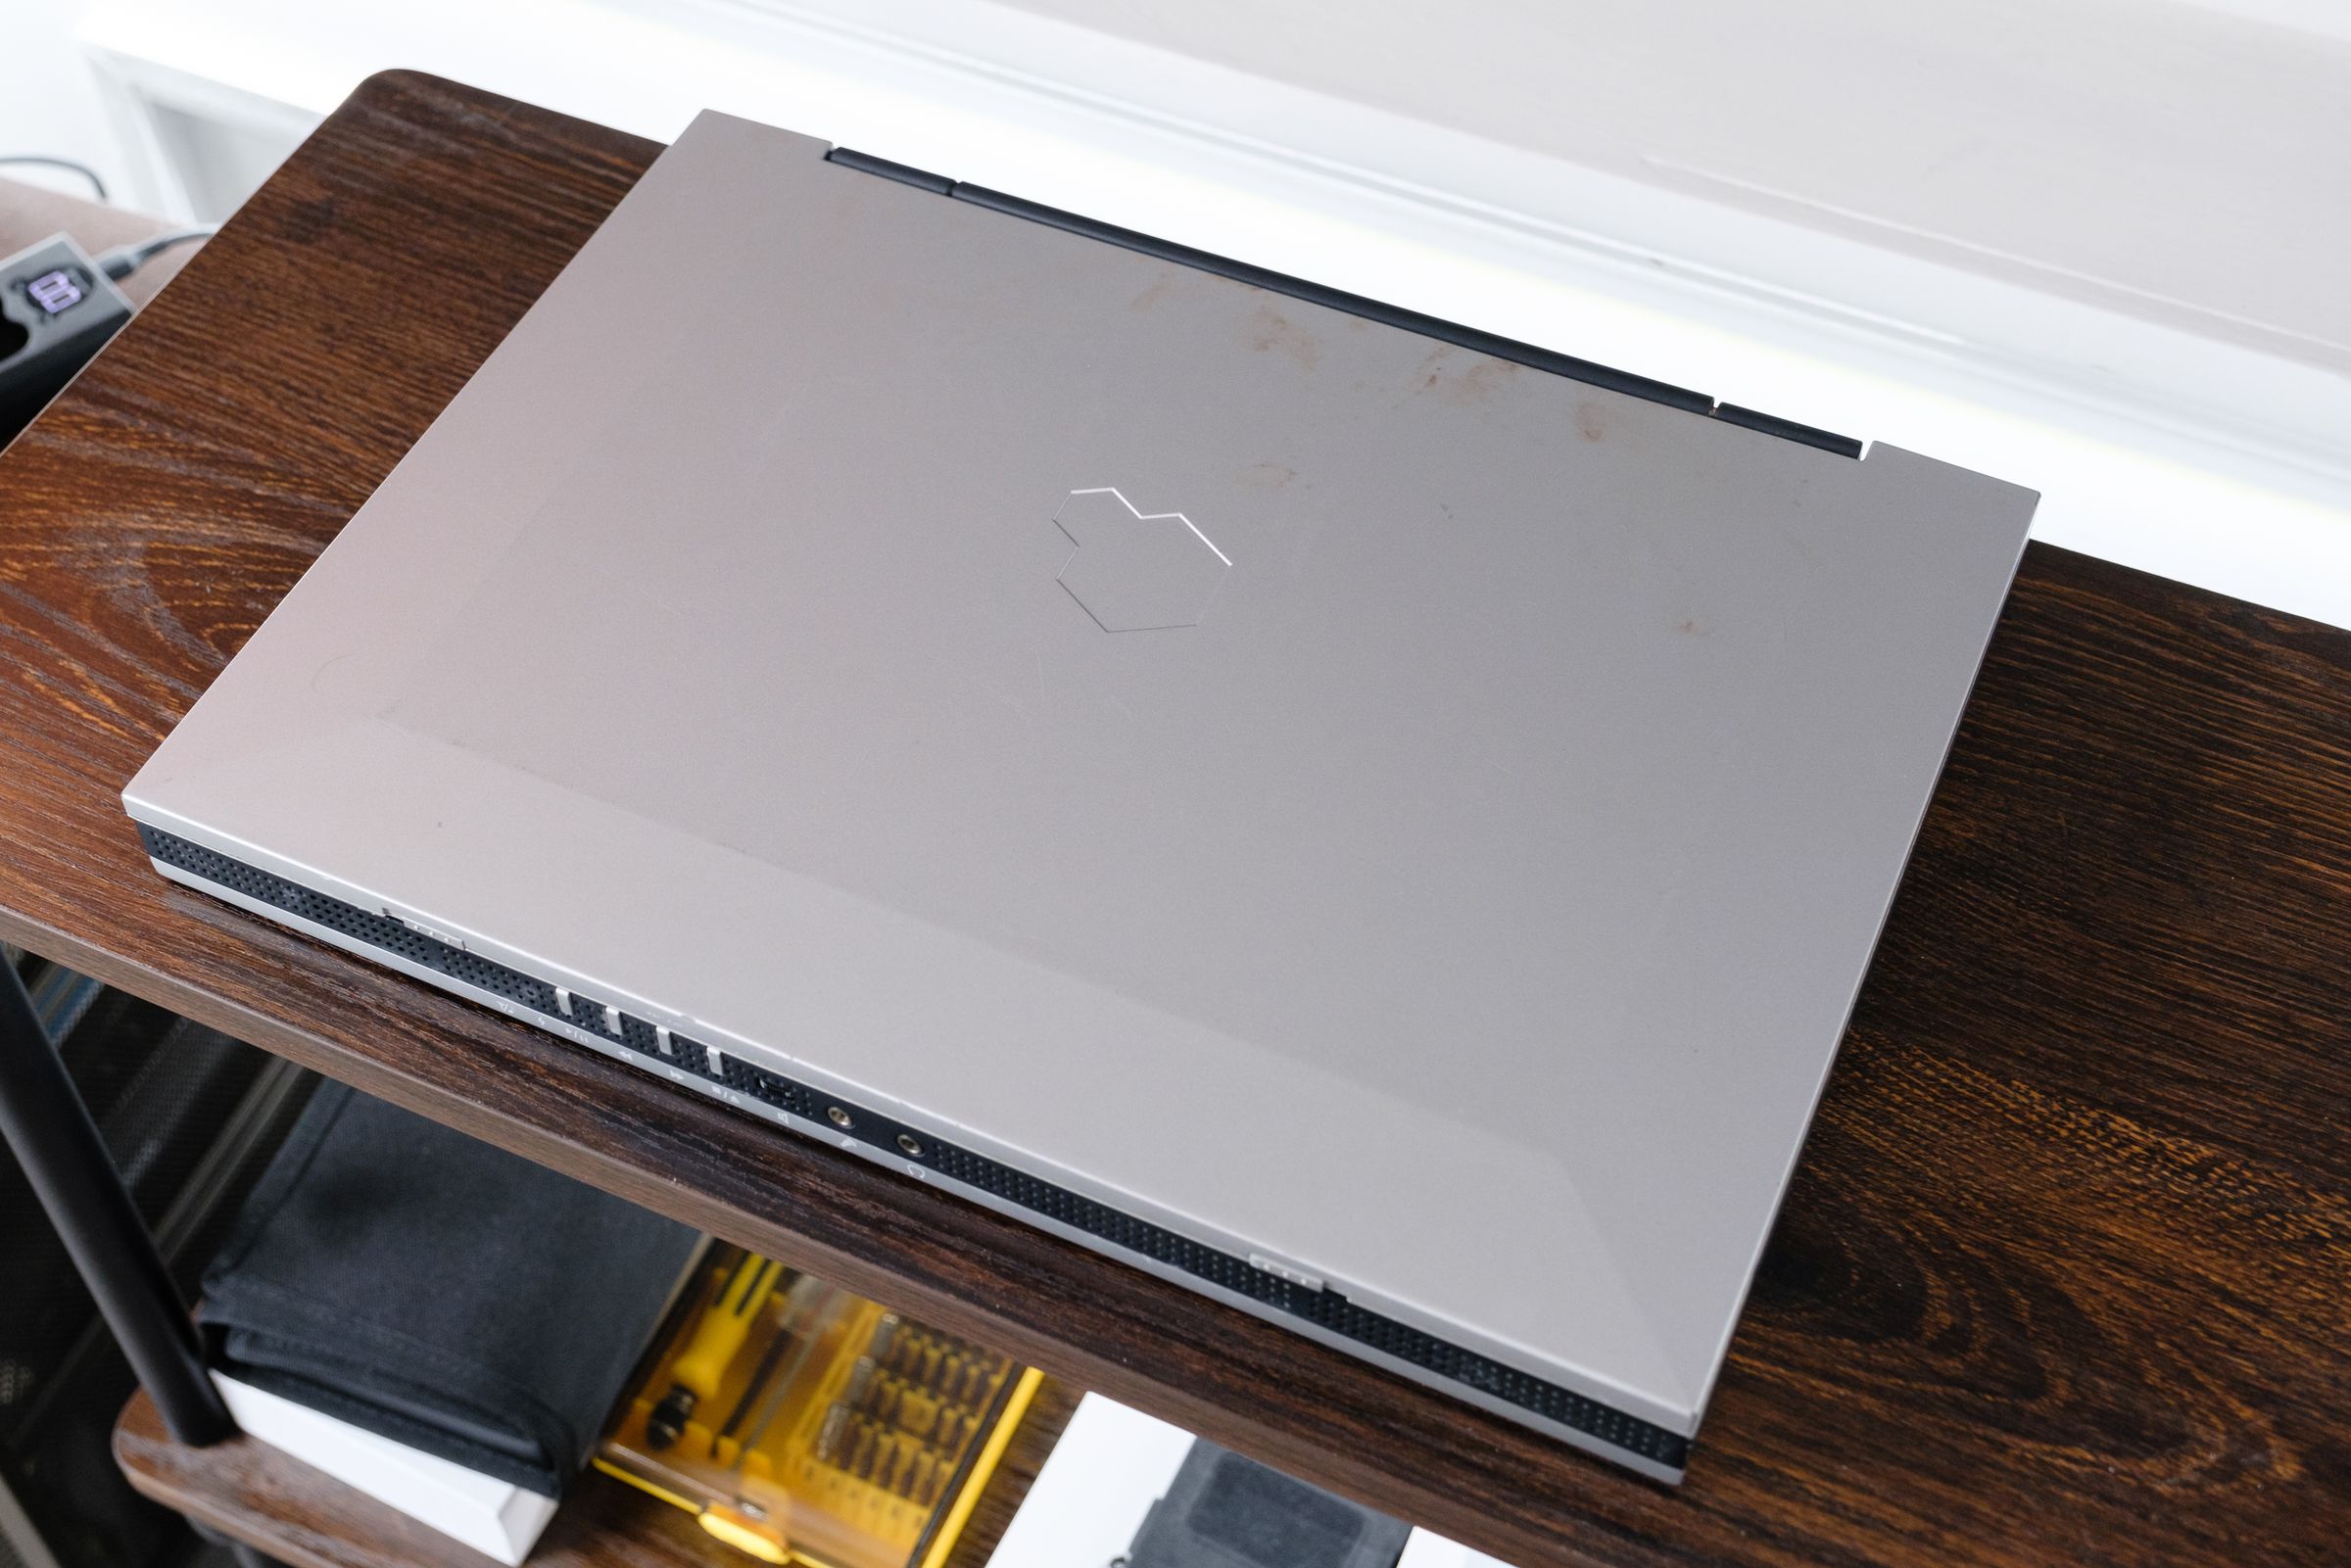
[{"x": 806, "y": 1425}]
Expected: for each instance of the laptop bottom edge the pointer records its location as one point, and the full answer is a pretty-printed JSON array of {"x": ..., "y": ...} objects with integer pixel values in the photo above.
[{"x": 1648, "y": 1449}]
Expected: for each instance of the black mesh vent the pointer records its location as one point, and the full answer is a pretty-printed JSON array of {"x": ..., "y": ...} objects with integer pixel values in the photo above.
[
  {"x": 377, "y": 930},
  {"x": 689, "y": 1056},
  {"x": 1121, "y": 1230},
  {"x": 1327, "y": 1309},
  {"x": 637, "y": 1035},
  {"x": 769, "y": 1088},
  {"x": 587, "y": 1014}
]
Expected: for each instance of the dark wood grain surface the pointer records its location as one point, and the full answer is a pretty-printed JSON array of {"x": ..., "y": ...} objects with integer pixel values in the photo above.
[
  {"x": 2065, "y": 1275},
  {"x": 268, "y": 1499}
]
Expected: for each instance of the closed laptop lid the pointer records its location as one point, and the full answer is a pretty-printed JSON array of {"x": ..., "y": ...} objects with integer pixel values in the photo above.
[{"x": 1366, "y": 804}]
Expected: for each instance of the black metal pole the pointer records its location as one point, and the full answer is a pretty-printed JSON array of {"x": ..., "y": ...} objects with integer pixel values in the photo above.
[{"x": 49, "y": 1130}]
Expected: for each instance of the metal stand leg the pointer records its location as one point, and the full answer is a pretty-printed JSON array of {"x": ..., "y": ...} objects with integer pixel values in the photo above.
[{"x": 49, "y": 1130}]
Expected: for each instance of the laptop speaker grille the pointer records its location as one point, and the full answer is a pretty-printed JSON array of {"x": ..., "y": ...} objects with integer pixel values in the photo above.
[{"x": 1326, "y": 1308}]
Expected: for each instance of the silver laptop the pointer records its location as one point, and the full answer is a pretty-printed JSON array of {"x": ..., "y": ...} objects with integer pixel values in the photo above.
[{"x": 1374, "y": 822}]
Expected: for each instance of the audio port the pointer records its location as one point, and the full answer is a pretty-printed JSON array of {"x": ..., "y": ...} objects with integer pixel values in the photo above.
[
  {"x": 911, "y": 1144},
  {"x": 838, "y": 1116}
]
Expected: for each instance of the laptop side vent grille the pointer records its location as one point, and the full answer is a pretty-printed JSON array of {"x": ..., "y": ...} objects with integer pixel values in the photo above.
[{"x": 1325, "y": 1308}]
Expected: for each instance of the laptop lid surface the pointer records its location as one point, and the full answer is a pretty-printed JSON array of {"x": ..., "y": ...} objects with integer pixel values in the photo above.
[{"x": 1388, "y": 812}]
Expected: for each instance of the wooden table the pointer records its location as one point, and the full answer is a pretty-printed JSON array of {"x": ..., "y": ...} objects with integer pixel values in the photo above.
[{"x": 2065, "y": 1275}]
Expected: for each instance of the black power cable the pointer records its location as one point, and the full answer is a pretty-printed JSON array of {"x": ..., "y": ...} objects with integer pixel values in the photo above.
[
  {"x": 83, "y": 169},
  {"x": 124, "y": 259}
]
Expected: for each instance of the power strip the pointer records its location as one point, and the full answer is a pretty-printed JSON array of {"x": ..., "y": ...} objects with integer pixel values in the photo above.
[{"x": 56, "y": 308}]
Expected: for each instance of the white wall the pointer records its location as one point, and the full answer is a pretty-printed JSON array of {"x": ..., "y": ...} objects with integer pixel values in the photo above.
[
  {"x": 49, "y": 98},
  {"x": 2164, "y": 159}
]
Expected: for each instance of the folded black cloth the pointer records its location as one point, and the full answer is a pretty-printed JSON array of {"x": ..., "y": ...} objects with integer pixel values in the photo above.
[{"x": 428, "y": 1288}]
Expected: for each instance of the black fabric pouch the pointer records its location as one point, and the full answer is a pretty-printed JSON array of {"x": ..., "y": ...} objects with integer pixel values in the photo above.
[{"x": 428, "y": 1288}]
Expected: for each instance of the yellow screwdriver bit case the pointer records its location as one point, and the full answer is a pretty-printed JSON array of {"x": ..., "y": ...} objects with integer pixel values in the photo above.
[{"x": 803, "y": 1424}]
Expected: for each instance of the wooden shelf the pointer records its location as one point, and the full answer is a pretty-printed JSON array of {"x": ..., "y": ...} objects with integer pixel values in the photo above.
[
  {"x": 2065, "y": 1274},
  {"x": 270, "y": 1500}
]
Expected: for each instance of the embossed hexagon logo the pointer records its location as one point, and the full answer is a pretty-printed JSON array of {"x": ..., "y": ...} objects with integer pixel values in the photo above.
[{"x": 1134, "y": 572}]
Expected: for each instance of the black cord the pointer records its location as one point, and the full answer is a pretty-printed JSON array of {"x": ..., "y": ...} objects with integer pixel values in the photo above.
[
  {"x": 124, "y": 259},
  {"x": 83, "y": 169}
]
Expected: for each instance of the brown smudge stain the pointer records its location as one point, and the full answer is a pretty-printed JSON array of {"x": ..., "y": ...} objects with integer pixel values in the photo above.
[
  {"x": 1692, "y": 626},
  {"x": 1269, "y": 475},
  {"x": 1590, "y": 420},
  {"x": 1473, "y": 386},
  {"x": 1269, "y": 329},
  {"x": 1152, "y": 295}
]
